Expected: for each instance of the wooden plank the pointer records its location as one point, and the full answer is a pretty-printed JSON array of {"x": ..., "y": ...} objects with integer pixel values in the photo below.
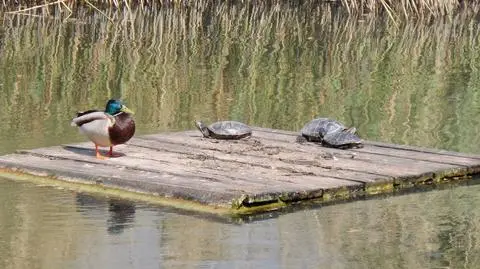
[
  {"x": 405, "y": 153},
  {"x": 237, "y": 173},
  {"x": 419, "y": 155},
  {"x": 289, "y": 136},
  {"x": 231, "y": 175},
  {"x": 424, "y": 150},
  {"x": 319, "y": 167},
  {"x": 267, "y": 169},
  {"x": 132, "y": 160},
  {"x": 142, "y": 181},
  {"x": 379, "y": 165}
]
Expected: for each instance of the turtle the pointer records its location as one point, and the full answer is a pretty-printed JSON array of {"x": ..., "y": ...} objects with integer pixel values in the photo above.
[
  {"x": 316, "y": 129},
  {"x": 342, "y": 139},
  {"x": 224, "y": 129}
]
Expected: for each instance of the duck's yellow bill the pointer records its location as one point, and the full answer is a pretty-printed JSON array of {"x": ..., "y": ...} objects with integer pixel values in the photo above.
[{"x": 126, "y": 110}]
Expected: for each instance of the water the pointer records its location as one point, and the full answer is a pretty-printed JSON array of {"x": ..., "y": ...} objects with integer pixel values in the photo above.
[
  {"x": 43, "y": 227},
  {"x": 414, "y": 83}
]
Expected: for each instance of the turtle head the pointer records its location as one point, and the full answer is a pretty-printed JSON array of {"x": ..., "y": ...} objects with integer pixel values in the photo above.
[
  {"x": 202, "y": 127},
  {"x": 115, "y": 106}
]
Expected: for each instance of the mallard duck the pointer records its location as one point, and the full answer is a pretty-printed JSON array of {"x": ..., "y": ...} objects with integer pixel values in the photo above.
[{"x": 108, "y": 128}]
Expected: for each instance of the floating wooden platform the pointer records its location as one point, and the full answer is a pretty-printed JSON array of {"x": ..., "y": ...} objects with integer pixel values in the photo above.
[{"x": 265, "y": 172}]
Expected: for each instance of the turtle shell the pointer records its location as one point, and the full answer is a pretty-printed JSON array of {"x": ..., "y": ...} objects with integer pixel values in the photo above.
[
  {"x": 316, "y": 129},
  {"x": 229, "y": 130},
  {"x": 342, "y": 139}
]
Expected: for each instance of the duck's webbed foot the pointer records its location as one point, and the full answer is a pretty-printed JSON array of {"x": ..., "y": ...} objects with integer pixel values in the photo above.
[{"x": 98, "y": 155}]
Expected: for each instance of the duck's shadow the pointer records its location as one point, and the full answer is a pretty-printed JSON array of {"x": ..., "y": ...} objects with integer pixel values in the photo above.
[{"x": 91, "y": 151}]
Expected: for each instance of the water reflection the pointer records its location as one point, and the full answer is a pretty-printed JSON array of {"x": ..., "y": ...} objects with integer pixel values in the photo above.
[
  {"x": 279, "y": 67},
  {"x": 121, "y": 212},
  {"x": 121, "y": 216},
  {"x": 49, "y": 228}
]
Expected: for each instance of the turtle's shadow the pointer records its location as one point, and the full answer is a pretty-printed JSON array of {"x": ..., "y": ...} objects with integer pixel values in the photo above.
[{"x": 91, "y": 151}]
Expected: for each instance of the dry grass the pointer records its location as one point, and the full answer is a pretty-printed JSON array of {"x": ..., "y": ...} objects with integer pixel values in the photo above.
[{"x": 395, "y": 9}]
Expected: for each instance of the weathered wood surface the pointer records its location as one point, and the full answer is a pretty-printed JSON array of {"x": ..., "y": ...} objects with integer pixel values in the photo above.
[{"x": 268, "y": 170}]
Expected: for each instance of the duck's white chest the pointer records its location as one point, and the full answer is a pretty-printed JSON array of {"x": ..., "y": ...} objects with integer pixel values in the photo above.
[{"x": 97, "y": 131}]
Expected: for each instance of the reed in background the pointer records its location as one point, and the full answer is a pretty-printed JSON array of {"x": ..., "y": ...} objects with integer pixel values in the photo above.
[{"x": 395, "y": 9}]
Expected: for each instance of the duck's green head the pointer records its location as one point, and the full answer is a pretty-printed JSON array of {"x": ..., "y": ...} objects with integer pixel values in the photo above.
[{"x": 115, "y": 106}]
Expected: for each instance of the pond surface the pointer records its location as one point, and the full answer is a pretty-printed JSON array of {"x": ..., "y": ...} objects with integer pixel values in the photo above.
[
  {"x": 41, "y": 227},
  {"x": 411, "y": 83}
]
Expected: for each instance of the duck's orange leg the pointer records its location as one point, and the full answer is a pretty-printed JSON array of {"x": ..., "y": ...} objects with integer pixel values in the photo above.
[
  {"x": 98, "y": 155},
  {"x": 111, "y": 154}
]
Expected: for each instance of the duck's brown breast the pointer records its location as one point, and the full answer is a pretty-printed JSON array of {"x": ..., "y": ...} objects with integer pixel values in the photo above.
[{"x": 123, "y": 129}]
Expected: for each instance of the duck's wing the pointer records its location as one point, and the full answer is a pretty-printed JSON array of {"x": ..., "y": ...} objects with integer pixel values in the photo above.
[
  {"x": 91, "y": 116},
  {"x": 81, "y": 113}
]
